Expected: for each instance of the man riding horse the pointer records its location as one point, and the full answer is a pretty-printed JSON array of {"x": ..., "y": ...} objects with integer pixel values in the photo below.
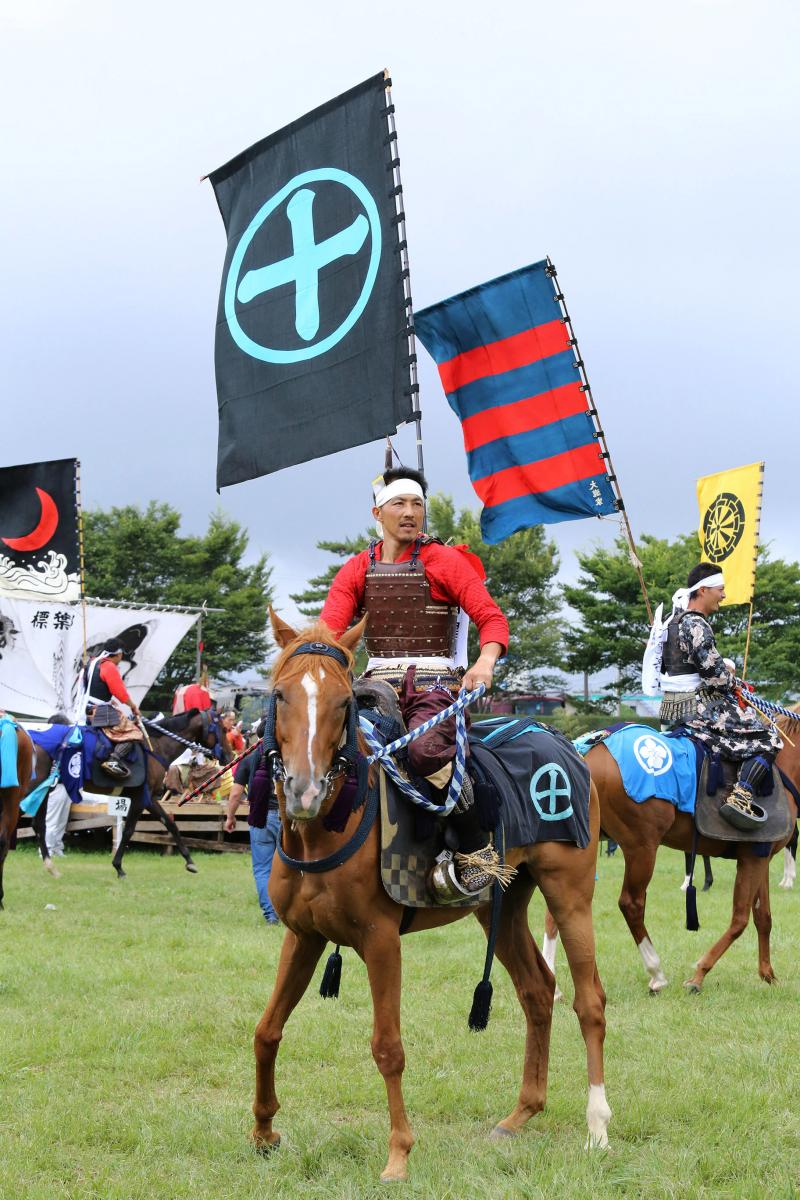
[
  {"x": 419, "y": 595},
  {"x": 105, "y": 695},
  {"x": 699, "y": 695}
]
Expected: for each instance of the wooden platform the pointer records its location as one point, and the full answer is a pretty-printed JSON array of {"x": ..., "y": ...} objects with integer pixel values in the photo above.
[{"x": 201, "y": 826}]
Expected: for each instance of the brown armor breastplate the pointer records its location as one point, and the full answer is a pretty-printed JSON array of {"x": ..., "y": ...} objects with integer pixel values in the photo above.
[{"x": 404, "y": 622}]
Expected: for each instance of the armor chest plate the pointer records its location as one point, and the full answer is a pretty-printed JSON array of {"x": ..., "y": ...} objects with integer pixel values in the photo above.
[
  {"x": 404, "y": 622},
  {"x": 674, "y": 661},
  {"x": 97, "y": 688}
]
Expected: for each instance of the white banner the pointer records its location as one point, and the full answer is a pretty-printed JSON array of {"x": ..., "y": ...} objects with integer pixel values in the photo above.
[{"x": 41, "y": 651}]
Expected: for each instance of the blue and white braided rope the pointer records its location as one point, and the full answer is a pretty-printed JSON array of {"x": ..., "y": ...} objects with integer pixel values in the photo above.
[
  {"x": 382, "y": 754},
  {"x": 766, "y": 706}
]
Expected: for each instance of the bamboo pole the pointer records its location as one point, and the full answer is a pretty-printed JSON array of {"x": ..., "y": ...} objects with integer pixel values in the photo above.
[
  {"x": 747, "y": 640},
  {"x": 81, "y": 559},
  {"x": 601, "y": 439},
  {"x": 416, "y": 415}
]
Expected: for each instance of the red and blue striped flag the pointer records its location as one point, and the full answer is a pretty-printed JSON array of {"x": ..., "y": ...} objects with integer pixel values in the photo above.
[{"x": 507, "y": 365}]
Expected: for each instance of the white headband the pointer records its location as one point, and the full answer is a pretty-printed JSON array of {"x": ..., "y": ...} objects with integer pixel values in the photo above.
[
  {"x": 398, "y": 487},
  {"x": 681, "y": 597}
]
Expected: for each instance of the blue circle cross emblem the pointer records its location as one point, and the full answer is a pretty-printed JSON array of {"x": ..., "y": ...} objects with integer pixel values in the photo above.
[
  {"x": 550, "y": 786},
  {"x": 303, "y": 266}
]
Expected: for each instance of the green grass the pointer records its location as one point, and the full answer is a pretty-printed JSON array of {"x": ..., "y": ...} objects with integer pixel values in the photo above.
[{"x": 126, "y": 1068}]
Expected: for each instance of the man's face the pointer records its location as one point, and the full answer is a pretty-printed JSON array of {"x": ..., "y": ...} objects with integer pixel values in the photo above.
[
  {"x": 402, "y": 517},
  {"x": 711, "y": 598}
]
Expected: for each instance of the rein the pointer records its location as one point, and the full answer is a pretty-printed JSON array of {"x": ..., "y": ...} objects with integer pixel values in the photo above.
[{"x": 177, "y": 738}]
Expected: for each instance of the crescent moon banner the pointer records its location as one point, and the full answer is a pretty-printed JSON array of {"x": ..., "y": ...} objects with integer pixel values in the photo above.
[{"x": 39, "y": 541}]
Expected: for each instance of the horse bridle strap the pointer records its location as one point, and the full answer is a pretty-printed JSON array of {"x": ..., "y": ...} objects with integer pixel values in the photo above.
[
  {"x": 316, "y": 866},
  {"x": 324, "y": 649}
]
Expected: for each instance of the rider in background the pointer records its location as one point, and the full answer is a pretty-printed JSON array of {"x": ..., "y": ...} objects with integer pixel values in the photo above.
[{"x": 699, "y": 695}]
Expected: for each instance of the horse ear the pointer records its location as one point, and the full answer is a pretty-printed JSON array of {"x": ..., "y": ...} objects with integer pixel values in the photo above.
[
  {"x": 283, "y": 633},
  {"x": 351, "y": 637}
]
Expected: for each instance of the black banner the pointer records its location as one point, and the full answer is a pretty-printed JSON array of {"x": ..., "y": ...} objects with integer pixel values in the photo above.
[
  {"x": 311, "y": 346},
  {"x": 39, "y": 547}
]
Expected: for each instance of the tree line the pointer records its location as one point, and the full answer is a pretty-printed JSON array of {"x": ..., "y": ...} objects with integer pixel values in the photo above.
[{"x": 596, "y": 623}]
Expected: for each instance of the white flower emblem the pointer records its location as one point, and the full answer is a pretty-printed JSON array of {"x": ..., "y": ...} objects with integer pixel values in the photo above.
[{"x": 652, "y": 754}]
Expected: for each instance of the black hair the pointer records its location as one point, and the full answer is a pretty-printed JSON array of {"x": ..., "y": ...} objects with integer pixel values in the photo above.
[
  {"x": 702, "y": 571},
  {"x": 405, "y": 473}
]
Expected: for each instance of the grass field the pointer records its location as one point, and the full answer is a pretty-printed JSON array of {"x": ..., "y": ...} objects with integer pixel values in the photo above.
[{"x": 126, "y": 1068}]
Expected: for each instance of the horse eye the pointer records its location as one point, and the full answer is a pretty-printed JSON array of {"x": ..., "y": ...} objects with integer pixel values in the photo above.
[{"x": 278, "y": 695}]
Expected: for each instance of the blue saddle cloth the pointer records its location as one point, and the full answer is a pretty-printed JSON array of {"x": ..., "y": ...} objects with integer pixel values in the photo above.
[
  {"x": 72, "y": 748},
  {"x": 541, "y": 780},
  {"x": 654, "y": 765},
  {"x": 8, "y": 752}
]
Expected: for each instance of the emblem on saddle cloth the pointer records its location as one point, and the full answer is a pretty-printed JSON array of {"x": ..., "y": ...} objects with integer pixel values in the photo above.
[
  {"x": 406, "y": 860},
  {"x": 404, "y": 622}
]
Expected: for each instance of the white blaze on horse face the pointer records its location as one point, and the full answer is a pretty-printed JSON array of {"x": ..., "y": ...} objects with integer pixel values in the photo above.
[
  {"x": 598, "y": 1114},
  {"x": 652, "y": 964},
  {"x": 311, "y": 690}
]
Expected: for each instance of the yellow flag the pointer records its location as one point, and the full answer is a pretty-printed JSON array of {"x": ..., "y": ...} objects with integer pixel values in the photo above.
[{"x": 730, "y": 515}]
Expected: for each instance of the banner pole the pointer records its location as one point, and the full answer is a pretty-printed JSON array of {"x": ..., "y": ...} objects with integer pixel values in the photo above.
[
  {"x": 599, "y": 433},
  {"x": 405, "y": 272},
  {"x": 79, "y": 508},
  {"x": 755, "y": 567}
]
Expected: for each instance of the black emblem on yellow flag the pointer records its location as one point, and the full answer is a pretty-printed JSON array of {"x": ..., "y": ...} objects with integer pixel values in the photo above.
[{"x": 723, "y": 526}]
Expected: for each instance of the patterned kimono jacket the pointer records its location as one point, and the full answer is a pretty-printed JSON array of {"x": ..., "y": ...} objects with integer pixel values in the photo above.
[{"x": 720, "y": 724}]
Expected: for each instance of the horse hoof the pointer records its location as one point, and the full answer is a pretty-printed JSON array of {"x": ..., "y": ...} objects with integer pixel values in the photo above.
[
  {"x": 266, "y": 1148},
  {"x": 51, "y": 868},
  {"x": 120, "y": 873},
  {"x": 394, "y": 1175},
  {"x": 693, "y": 988},
  {"x": 500, "y": 1133},
  {"x": 191, "y": 868},
  {"x": 707, "y": 886}
]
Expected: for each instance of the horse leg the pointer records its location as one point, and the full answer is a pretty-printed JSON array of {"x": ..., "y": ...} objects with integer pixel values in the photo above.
[
  {"x": 571, "y": 905},
  {"x": 134, "y": 812},
  {"x": 300, "y": 954},
  {"x": 750, "y": 875},
  {"x": 549, "y": 948},
  {"x": 39, "y": 825},
  {"x": 168, "y": 821},
  {"x": 789, "y": 864},
  {"x": 640, "y": 861},
  {"x": 762, "y": 919},
  {"x": 5, "y": 841},
  {"x": 534, "y": 984},
  {"x": 381, "y": 954}
]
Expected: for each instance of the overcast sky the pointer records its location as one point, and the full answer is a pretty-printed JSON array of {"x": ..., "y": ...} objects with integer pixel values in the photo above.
[{"x": 651, "y": 151}]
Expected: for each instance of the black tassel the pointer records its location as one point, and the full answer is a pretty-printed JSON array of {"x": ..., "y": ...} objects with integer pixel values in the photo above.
[
  {"x": 692, "y": 920},
  {"x": 331, "y": 976},
  {"x": 481, "y": 1006}
]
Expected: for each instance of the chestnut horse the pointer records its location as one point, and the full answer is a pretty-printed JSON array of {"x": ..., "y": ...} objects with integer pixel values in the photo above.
[
  {"x": 348, "y": 905},
  {"x": 641, "y": 828},
  {"x": 10, "y": 798}
]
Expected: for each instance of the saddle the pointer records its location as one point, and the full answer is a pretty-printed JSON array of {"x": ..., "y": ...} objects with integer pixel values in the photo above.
[
  {"x": 717, "y": 777},
  {"x": 135, "y": 760}
]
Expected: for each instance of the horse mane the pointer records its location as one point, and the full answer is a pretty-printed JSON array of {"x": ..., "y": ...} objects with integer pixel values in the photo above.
[
  {"x": 786, "y": 724},
  {"x": 178, "y": 721},
  {"x": 318, "y": 632}
]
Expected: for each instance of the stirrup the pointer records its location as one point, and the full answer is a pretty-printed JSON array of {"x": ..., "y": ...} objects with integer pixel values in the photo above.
[
  {"x": 114, "y": 767},
  {"x": 482, "y": 867},
  {"x": 740, "y": 810}
]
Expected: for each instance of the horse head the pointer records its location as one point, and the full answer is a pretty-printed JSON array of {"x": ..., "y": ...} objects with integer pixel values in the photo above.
[{"x": 312, "y": 710}]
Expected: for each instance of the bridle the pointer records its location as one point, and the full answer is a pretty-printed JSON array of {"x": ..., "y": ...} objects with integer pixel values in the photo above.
[{"x": 346, "y": 756}]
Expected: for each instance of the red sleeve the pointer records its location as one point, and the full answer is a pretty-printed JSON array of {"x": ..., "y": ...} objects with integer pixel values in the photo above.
[
  {"x": 453, "y": 579},
  {"x": 113, "y": 681},
  {"x": 346, "y": 595}
]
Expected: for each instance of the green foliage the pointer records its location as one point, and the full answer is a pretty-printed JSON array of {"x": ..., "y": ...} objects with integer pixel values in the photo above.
[
  {"x": 310, "y": 601},
  {"x": 141, "y": 556},
  {"x": 613, "y": 625}
]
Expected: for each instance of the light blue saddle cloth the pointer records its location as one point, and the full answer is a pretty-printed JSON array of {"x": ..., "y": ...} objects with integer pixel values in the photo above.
[{"x": 652, "y": 765}]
